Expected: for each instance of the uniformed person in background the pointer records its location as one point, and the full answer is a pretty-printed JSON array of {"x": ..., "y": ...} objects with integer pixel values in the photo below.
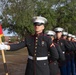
[
  {"x": 73, "y": 61},
  {"x": 73, "y": 41},
  {"x": 69, "y": 38},
  {"x": 67, "y": 54},
  {"x": 75, "y": 53},
  {"x": 38, "y": 46},
  {"x": 53, "y": 64},
  {"x": 64, "y": 46}
]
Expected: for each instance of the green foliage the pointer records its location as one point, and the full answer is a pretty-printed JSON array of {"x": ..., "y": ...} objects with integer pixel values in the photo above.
[
  {"x": 3, "y": 38},
  {"x": 13, "y": 39},
  {"x": 58, "y": 12},
  {"x": 66, "y": 17},
  {"x": 21, "y": 17}
]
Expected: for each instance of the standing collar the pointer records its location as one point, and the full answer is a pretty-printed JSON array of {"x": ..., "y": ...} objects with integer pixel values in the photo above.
[{"x": 40, "y": 34}]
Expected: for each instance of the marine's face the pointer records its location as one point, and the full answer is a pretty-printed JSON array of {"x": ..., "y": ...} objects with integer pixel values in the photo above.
[
  {"x": 72, "y": 39},
  {"x": 75, "y": 40},
  {"x": 39, "y": 28},
  {"x": 64, "y": 37},
  {"x": 69, "y": 38},
  {"x": 58, "y": 34}
]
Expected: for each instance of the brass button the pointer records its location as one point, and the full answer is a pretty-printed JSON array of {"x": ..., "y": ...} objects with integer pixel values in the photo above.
[
  {"x": 34, "y": 54},
  {"x": 36, "y": 44},
  {"x": 35, "y": 47},
  {"x": 34, "y": 58},
  {"x": 36, "y": 38},
  {"x": 35, "y": 50}
]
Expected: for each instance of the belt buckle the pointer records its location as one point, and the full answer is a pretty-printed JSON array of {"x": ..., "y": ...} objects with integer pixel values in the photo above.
[{"x": 34, "y": 58}]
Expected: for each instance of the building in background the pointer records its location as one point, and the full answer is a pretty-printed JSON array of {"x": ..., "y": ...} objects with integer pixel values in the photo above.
[{"x": 10, "y": 38}]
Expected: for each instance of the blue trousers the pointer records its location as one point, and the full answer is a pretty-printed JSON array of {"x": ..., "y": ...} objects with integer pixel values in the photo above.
[
  {"x": 68, "y": 64},
  {"x": 75, "y": 62},
  {"x": 63, "y": 69},
  {"x": 68, "y": 67},
  {"x": 73, "y": 66}
]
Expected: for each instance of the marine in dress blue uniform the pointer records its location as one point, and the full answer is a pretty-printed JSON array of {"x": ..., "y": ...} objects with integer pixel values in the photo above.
[
  {"x": 72, "y": 60},
  {"x": 75, "y": 53},
  {"x": 67, "y": 55},
  {"x": 54, "y": 67},
  {"x": 71, "y": 54},
  {"x": 64, "y": 46}
]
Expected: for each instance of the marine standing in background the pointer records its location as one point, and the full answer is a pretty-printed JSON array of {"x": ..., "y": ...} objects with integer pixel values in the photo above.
[
  {"x": 72, "y": 55},
  {"x": 69, "y": 38},
  {"x": 75, "y": 53},
  {"x": 53, "y": 64},
  {"x": 64, "y": 46},
  {"x": 67, "y": 54}
]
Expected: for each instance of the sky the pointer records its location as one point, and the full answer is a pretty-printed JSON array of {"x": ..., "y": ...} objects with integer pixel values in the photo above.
[{"x": 6, "y": 33}]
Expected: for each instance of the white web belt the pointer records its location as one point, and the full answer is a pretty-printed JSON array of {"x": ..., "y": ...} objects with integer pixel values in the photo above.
[{"x": 38, "y": 58}]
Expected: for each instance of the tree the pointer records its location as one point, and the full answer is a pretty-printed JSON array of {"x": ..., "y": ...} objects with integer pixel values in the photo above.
[
  {"x": 21, "y": 13},
  {"x": 17, "y": 14},
  {"x": 67, "y": 17}
]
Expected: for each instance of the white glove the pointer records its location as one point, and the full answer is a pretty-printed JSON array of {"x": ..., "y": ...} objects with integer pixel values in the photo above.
[{"x": 3, "y": 46}]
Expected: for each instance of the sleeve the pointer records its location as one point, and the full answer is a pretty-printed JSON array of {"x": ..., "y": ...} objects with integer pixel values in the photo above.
[
  {"x": 49, "y": 41},
  {"x": 72, "y": 46},
  {"x": 14, "y": 47},
  {"x": 75, "y": 45},
  {"x": 53, "y": 53},
  {"x": 61, "y": 55},
  {"x": 67, "y": 45}
]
